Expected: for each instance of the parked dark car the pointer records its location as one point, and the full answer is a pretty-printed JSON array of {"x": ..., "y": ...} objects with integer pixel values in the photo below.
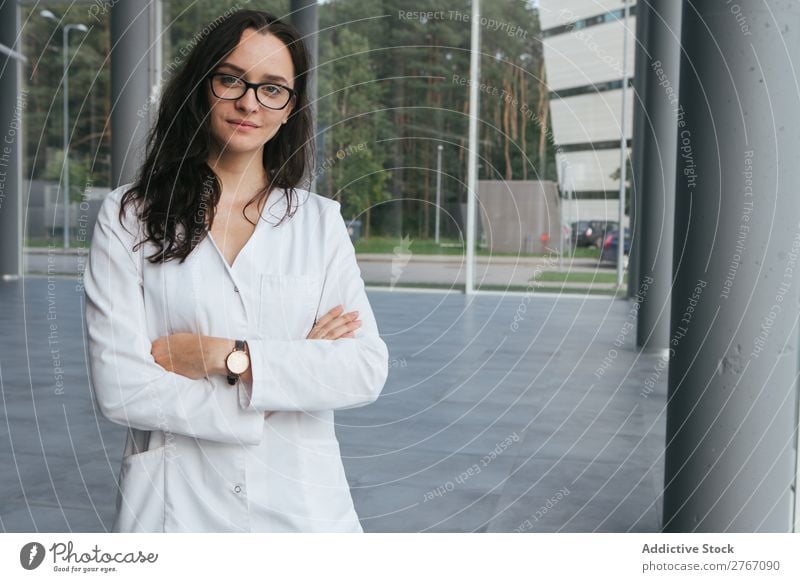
[
  {"x": 608, "y": 254},
  {"x": 587, "y": 233}
]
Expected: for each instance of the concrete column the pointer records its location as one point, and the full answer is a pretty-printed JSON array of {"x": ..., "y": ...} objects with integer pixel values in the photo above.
[
  {"x": 133, "y": 54},
  {"x": 656, "y": 211},
  {"x": 733, "y": 402},
  {"x": 637, "y": 162},
  {"x": 12, "y": 104},
  {"x": 305, "y": 18}
]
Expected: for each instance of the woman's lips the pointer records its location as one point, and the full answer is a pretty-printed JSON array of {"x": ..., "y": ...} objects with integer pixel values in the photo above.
[{"x": 242, "y": 126}]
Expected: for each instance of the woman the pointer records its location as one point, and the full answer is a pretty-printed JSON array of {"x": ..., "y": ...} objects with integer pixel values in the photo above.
[{"x": 202, "y": 320}]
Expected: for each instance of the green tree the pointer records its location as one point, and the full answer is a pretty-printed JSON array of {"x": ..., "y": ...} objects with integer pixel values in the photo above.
[
  {"x": 353, "y": 123},
  {"x": 423, "y": 65},
  {"x": 89, "y": 107}
]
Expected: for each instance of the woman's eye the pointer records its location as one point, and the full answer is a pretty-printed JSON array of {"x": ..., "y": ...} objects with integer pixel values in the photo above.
[
  {"x": 271, "y": 90},
  {"x": 229, "y": 80}
]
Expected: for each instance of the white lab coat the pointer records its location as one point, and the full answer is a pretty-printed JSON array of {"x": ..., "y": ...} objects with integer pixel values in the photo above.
[{"x": 204, "y": 456}]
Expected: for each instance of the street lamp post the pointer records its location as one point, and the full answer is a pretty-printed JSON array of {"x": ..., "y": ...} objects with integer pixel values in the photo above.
[
  {"x": 472, "y": 152},
  {"x": 623, "y": 151},
  {"x": 65, "y": 70},
  {"x": 439, "y": 149}
]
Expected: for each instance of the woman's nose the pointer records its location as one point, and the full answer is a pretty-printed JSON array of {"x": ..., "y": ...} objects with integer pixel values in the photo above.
[{"x": 248, "y": 101}]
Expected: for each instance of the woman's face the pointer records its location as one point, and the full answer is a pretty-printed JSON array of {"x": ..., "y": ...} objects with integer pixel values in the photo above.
[{"x": 258, "y": 58}]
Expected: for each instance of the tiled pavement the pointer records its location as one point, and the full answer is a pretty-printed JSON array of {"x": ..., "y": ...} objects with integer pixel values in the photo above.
[{"x": 574, "y": 450}]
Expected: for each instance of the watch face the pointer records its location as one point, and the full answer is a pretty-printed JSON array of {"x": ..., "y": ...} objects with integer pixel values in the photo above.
[{"x": 238, "y": 362}]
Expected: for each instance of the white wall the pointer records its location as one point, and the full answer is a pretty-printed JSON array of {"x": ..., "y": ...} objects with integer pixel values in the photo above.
[
  {"x": 588, "y": 170},
  {"x": 588, "y": 55},
  {"x": 591, "y": 117}
]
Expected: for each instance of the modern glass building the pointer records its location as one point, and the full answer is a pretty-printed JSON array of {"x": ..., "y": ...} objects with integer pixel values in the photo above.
[{"x": 583, "y": 49}]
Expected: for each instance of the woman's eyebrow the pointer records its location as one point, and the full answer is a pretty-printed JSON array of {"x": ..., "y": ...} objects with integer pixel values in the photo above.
[{"x": 264, "y": 78}]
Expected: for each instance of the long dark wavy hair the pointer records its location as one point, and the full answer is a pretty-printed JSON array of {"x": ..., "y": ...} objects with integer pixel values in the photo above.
[{"x": 176, "y": 191}]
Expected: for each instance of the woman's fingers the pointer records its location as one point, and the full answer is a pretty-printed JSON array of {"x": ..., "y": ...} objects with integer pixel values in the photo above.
[
  {"x": 335, "y": 324},
  {"x": 332, "y": 324},
  {"x": 330, "y": 316},
  {"x": 321, "y": 324},
  {"x": 340, "y": 327}
]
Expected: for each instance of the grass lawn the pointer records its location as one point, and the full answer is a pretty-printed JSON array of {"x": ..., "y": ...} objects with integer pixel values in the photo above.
[
  {"x": 391, "y": 245},
  {"x": 387, "y": 245},
  {"x": 57, "y": 245},
  {"x": 579, "y": 277},
  {"x": 42, "y": 243}
]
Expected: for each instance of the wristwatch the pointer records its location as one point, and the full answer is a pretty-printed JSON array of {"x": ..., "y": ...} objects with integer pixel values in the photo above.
[{"x": 237, "y": 362}]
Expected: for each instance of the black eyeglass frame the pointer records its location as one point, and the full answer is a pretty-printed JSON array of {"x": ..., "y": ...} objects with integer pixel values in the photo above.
[{"x": 254, "y": 86}]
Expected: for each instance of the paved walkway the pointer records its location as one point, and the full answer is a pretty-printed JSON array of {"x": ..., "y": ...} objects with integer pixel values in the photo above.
[{"x": 482, "y": 426}]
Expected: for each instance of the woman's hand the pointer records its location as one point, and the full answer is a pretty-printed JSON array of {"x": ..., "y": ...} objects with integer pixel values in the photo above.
[
  {"x": 335, "y": 325},
  {"x": 192, "y": 355}
]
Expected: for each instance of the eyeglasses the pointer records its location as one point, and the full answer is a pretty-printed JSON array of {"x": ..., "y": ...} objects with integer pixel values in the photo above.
[{"x": 231, "y": 87}]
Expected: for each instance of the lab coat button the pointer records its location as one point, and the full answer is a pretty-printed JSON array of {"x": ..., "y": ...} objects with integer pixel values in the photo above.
[
  {"x": 238, "y": 489},
  {"x": 236, "y": 289}
]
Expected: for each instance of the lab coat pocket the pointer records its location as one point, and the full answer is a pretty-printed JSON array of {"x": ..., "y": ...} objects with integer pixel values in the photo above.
[
  {"x": 287, "y": 306},
  {"x": 140, "y": 500}
]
